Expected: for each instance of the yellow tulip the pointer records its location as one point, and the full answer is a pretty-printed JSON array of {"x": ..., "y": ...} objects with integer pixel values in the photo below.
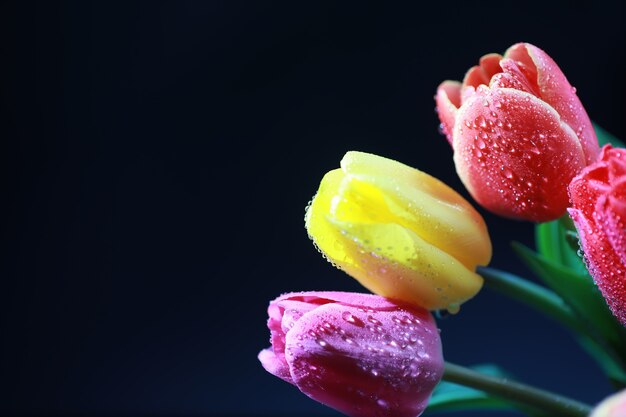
[{"x": 400, "y": 232}]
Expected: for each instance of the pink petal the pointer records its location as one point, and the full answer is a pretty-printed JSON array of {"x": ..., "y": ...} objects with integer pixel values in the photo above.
[
  {"x": 514, "y": 154},
  {"x": 610, "y": 215},
  {"x": 274, "y": 365},
  {"x": 588, "y": 186},
  {"x": 347, "y": 298},
  {"x": 616, "y": 159},
  {"x": 514, "y": 77},
  {"x": 555, "y": 90},
  {"x": 481, "y": 74},
  {"x": 366, "y": 361},
  {"x": 606, "y": 266},
  {"x": 448, "y": 99}
]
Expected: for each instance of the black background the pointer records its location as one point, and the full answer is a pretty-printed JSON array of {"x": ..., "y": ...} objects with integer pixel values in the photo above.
[{"x": 156, "y": 159}]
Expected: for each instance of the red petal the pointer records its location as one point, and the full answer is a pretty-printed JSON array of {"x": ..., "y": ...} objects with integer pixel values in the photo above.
[
  {"x": 513, "y": 77},
  {"x": 448, "y": 100},
  {"x": 587, "y": 187},
  {"x": 606, "y": 266},
  {"x": 481, "y": 74},
  {"x": 555, "y": 90},
  {"x": 514, "y": 155}
]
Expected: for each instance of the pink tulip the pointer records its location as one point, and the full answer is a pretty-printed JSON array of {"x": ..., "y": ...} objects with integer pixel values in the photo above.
[
  {"x": 598, "y": 197},
  {"x": 519, "y": 133},
  {"x": 361, "y": 354},
  {"x": 613, "y": 406}
]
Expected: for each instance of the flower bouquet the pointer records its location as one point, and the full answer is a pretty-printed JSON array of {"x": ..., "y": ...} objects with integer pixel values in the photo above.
[{"x": 525, "y": 149}]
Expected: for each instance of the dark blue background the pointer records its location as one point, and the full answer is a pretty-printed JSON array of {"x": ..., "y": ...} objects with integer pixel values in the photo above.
[{"x": 157, "y": 158}]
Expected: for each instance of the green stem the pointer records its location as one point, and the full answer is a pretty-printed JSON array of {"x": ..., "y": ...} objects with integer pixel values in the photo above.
[
  {"x": 540, "y": 298},
  {"x": 516, "y": 392},
  {"x": 552, "y": 305}
]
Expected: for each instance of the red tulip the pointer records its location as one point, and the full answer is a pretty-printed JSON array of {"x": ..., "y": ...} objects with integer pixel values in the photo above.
[
  {"x": 598, "y": 197},
  {"x": 361, "y": 354},
  {"x": 519, "y": 133}
]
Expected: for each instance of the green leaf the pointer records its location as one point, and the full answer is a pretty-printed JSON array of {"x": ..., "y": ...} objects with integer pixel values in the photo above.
[
  {"x": 605, "y": 137},
  {"x": 448, "y": 396},
  {"x": 557, "y": 241},
  {"x": 531, "y": 294},
  {"x": 611, "y": 366},
  {"x": 550, "y": 304},
  {"x": 581, "y": 294}
]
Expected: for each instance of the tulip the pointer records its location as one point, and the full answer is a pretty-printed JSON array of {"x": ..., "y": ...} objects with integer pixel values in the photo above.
[
  {"x": 613, "y": 406},
  {"x": 400, "y": 232},
  {"x": 598, "y": 197},
  {"x": 519, "y": 133},
  {"x": 361, "y": 354}
]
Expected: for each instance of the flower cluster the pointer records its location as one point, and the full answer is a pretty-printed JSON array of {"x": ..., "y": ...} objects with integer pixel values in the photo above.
[{"x": 525, "y": 149}]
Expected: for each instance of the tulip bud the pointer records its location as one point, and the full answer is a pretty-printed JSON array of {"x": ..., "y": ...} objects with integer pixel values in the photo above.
[
  {"x": 613, "y": 406},
  {"x": 598, "y": 197},
  {"x": 361, "y": 354},
  {"x": 400, "y": 232},
  {"x": 519, "y": 133}
]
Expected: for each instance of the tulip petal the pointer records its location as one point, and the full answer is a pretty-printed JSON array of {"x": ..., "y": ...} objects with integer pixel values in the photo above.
[
  {"x": 401, "y": 233},
  {"x": 448, "y": 100},
  {"x": 394, "y": 262},
  {"x": 588, "y": 186},
  {"x": 515, "y": 155},
  {"x": 613, "y": 406},
  {"x": 366, "y": 362},
  {"x": 605, "y": 265},
  {"x": 318, "y": 298},
  {"x": 513, "y": 76},
  {"x": 397, "y": 193},
  {"x": 275, "y": 365},
  {"x": 555, "y": 89},
  {"x": 481, "y": 74}
]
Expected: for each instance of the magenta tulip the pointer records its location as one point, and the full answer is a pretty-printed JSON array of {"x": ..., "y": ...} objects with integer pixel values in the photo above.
[
  {"x": 519, "y": 133},
  {"x": 598, "y": 197},
  {"x": 361, "y": 354}
]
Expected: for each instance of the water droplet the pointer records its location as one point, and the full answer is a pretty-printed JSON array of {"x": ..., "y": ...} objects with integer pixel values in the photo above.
[
  {"x": 508, "y": 173},
  {"x": 352, "y": 319},
  {"x": 481, "y": 143},
  {"x": 382, "y": 403},
  {"x": 454, "y": 308}
]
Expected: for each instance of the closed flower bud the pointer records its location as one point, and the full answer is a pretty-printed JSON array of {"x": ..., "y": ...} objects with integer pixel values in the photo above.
[
  {"x": 613, "y": 406},
  {"x": 598, "y": 197},
  {"x": 361, "y": 354},
  {"x": 400, "y": 232},
  {"x": 519, "y": 133}
]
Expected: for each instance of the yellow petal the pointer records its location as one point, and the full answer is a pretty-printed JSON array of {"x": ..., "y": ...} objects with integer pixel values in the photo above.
[
  {"x": 392, "y": 261},
  {"x": 425, "y": 205},
  {"x": 401, "y": 233}
]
